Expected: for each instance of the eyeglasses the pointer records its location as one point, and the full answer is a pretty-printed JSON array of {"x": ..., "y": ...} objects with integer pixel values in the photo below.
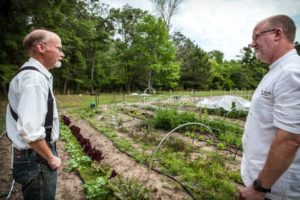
[
  {"x": 257, "y": 35},
  {"x": 58, "y": 48}
]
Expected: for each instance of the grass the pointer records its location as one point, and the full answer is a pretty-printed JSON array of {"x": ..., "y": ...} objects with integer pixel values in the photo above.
[{"x": 84, "y": 101}]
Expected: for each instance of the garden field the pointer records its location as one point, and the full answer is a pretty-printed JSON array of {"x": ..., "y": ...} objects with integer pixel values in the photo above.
[{"x": 160, "y": 146}]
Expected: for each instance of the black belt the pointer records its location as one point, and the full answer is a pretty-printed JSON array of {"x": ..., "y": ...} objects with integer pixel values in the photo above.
[
  {"x": 19, "y": 152},
  {"x": 30, "y": 151},
  {"x": 27, "y": 152}
]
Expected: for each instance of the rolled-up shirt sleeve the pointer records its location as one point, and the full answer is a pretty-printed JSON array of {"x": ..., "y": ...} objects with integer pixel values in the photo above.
[
  {"x": 32, "y": 109},
  {"x": 287, "y": 103}
]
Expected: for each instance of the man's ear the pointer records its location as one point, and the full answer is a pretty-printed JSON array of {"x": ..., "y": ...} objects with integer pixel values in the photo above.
[
  {"x": 278, "y": 34},
  {"x": 40, "y": 47}
]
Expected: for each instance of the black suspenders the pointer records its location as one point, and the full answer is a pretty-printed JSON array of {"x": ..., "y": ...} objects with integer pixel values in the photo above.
[{"x": 49, "y": 115}]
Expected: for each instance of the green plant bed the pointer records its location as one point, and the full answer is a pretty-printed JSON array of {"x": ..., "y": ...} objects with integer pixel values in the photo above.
[
  {"x": 206, "y": 178},
  {"x": 235, "y": 114},
  {"x": 134, "y": 113},
  {"x": 202, "y": 176},
  {"x": 169, "y": 119},
  {"x": 97, "y": 178}
]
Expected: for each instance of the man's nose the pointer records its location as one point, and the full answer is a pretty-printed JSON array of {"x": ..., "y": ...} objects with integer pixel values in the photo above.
[{"x": 253, "y": 44}]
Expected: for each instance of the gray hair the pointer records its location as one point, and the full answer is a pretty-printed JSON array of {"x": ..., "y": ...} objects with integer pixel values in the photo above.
[
  {"x": 35, "y": 36},
  {"x": 286, "y": 23}
]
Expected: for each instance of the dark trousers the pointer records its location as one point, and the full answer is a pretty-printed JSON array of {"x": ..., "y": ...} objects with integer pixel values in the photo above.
[{"x": 38, "y": 180}]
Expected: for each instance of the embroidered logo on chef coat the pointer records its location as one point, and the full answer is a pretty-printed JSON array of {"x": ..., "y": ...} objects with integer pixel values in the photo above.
[{"x": 266, "y": 94}]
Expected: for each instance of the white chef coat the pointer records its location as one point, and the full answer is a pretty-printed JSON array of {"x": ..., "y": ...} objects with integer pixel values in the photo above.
[{"x": 275, "y": 104}]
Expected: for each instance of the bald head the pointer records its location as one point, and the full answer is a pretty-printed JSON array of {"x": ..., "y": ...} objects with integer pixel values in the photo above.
[
  {"x": 273, "y": 37},
  {"x": 44, "y": 46},
  {"x": 285, "y": 23},
  {"x": 38, "y": 35}
]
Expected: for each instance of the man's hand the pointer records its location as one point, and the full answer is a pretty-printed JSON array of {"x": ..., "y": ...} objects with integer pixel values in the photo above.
[
  {"x": 249, "y": 193},
  {"x": 54, "y": 162},
  {"x": 41, "y": 147}
]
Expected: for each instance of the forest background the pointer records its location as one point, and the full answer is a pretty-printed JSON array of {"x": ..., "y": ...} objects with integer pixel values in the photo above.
[{"x": 120, "y": 50}]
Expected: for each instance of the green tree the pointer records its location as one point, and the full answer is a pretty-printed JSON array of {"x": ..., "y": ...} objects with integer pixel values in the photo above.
[
  {"x": 252, "y": 69},
  {"x": 96, "y": 39},
  {"x": 119, "y": 49},
  {"x": 216, "y": 55},
  {"x": 195, "y": 64},
  {"x": 156, "y": 53},
  {"x": 238, "y": 74},
  {"x": 142, "y": 50},
  {"x": 60, "y": 16},
  {"x": 80, "y": 40},
  {"x": 217, "y": 78},
  {"x": 124, "y": 21},
  {"x": 226, "y": 75},
  {"x": 14, "y": 22},
  {"x": 72, "y": 76}
]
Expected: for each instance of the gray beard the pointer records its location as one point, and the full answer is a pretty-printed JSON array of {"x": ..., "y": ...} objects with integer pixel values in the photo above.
[{"x": 57, "y": 64}]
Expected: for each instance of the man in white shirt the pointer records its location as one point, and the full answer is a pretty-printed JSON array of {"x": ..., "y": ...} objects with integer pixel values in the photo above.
[
  {"x": 271, "y": 159},
  {"x": 35, "y": 157}
]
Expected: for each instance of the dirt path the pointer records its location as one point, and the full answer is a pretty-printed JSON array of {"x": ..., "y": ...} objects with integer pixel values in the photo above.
[
  {"x": 69, "y": 185},
  {"x": 5, "y": 171},
  {"x": 162, "y": 187}
]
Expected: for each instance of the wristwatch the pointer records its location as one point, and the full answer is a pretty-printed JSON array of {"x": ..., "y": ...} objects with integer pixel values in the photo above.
[{"x": 258, "y": 187}]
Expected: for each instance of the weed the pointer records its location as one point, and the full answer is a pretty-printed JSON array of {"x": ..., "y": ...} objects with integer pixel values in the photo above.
[
  {"x": 129, "y": 189},
  {"x": 97, "y": 188},
  {"x": 221, "y": 146},
  {"x": 178, "y": 145}
]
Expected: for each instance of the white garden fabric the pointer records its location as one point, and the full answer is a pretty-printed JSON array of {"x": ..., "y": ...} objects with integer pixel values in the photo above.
[{"x": 225, "y": 102}]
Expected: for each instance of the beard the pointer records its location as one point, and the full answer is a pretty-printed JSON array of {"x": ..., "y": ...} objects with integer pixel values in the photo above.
[
  {"x": 57, "y": 64},
  {"x": 262, "y": 56}
]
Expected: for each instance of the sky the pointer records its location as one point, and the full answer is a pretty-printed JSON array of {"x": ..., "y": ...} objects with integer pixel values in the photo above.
[{"x": 224, "y": 25}]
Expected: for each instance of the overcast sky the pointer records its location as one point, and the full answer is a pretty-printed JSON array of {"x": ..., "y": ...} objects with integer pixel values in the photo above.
[{"x": 224, "y": 25}]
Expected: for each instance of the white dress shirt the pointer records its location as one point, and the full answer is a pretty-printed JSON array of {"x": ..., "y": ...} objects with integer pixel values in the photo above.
[
  {"x": 275, "y": 104},
  {"x": 28, "y": 96}
]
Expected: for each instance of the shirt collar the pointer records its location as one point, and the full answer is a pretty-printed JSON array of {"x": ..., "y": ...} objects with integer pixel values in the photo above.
[
  {"x": 35, "y": 63},
  {"x": 283, "y": 58}
]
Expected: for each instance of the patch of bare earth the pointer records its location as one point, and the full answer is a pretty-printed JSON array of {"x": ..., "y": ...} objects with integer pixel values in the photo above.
[
  {"x": 6, "y": 172},
  {"x": 69, "y": 185},
  {"x": 161, "y": 186}
]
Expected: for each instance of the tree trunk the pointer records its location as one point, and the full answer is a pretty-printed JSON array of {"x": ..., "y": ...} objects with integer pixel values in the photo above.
[
  {"x": 149, "y": 79},
  {"x": 65, "y": 86},
  {"x": 128, "y": 87},
  {"x": 92, "y": 70},
  {"x": 4, "y": 91}
]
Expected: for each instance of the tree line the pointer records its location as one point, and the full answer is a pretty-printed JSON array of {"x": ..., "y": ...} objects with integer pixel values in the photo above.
[{"x": 124, "y": 50}]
